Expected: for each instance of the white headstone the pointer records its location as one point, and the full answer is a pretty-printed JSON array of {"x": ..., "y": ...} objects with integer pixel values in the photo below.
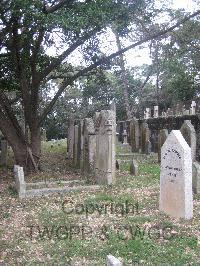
[
  {"x": 176, "y": 197},
  {"x": 148, "y": 113},
  {"x": 155, "y": 112},
  {"x": 193, "y": 108},
  {"x": 19, "y": 181},
  {"x": 112, "y": 261}
]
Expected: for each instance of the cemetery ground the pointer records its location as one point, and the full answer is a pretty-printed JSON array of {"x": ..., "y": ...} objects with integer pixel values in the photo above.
[{"x": 83, "y": 227}]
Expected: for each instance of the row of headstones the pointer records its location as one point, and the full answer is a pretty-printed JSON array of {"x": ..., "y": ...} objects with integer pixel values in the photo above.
[
  {"x": 178, "y": 111},
  {"x": 91, "y": 146}
]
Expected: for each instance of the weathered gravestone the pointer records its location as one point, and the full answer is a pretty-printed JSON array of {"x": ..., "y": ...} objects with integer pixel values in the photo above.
[
  {"x": 105, "y": 129},
  {"x": 135, "y": 135},
  {"x": 19, "y": 181},
  {"x": 176, "y": 197},
  {"x": 162, "y": 136},
  {"x": 80, "y": 144},
  {"x": 134, "y": 168},
  {"x": 112, "y": 261},
  {"x": 89, "y": 146},
  {"x": 145, "y": 138},
  {"x": 4, "y": 152},
  {"x": 125, "y": 137},
  {"x": 70, "y": 139},
  {"x": 196, "y": 177},
  {"x": 189, "y": 134},
  {"x": 75, "y": 148}
]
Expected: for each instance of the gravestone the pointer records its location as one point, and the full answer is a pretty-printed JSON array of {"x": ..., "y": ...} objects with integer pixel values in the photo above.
[
  {"x": 19, "y": 181},
  {"x": 147, "y": 113},
  {"x": 155, "y": 115},
  {"x": 163, "y": 134},
  {"x": 113, "y": 106},
  {"x": 176, "y": 197},
  {"x": 145, "y": 138},
  {"x": 193, "y": 108},
  {"x": 70, "y": 139},
  {"x": 80, "y": 144},
  {"x": 105, "y": 129},
  {"x": 125, "y": 138},
  {"x": 89, "y": 146},
  {"x": 135, "y": 135},
  {"x": 112, "y": 261},
  {"x": 75, "y": 148},
  {"x": 189, "y": 134},
  {"x": 118, "y": 164},
  {"x": 196, "y": 177},
  {"x": 134, "y": 167},
  {"x": 4, "y": 152},
  {"x": 43, "y": 134}
]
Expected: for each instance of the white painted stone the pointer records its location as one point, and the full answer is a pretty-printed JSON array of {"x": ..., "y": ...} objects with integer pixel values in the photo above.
[
  {"x": 176, "y": 197},
  {"x": 112, "y": 261}
]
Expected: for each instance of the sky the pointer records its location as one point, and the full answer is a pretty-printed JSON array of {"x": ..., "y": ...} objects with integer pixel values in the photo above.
[{"x": 139, "y": 55}]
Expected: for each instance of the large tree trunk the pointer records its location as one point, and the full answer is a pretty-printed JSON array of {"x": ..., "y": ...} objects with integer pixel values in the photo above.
[{"x": 27, "y": 150}]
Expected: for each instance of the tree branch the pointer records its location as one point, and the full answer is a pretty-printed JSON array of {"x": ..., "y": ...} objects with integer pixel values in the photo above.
[
  {"x": 54, "y": 8},
  {"x": 85, "y": 70},
  {"x": 67, "y": 52}
]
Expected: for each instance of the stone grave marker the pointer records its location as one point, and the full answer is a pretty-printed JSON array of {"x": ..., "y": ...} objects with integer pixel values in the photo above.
[
  {"x": 135, "y": 135},
  {"x": 70, "y": 139},
  {"x": 75, "y": 148},
  {"x": 145, "y": 138},
  {"x": 155, "y": 115},
  {"x": 189, "y": 134},
  {"x": 125, "y": 142},
  {"x": 193, "y": 108},
  {"x": 19, "y": 181},
  {"x": 196, "y": 177},
  {"x": 176, "y": 197},
  {"x": 134, "y": 167},
  {"x": 112, "y": 261},
  {"x": 163, "y": 134},
  {"x": 89, "y": 146},
  {"x": 105, "y": 163}
]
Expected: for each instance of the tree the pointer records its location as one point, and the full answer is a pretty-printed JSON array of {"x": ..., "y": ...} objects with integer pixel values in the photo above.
[{"x": 27, "y": 30}]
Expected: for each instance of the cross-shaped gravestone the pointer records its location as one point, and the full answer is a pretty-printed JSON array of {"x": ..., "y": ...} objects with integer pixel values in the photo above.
[{"x": 176, "y": 197}]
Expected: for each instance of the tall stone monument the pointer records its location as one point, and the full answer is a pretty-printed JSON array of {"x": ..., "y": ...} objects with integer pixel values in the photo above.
[
  {"x": 176, "y": 197},
  {"x": 105, "y": 129}
]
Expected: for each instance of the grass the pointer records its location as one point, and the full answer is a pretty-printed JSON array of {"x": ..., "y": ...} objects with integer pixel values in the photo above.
[{"x": 82, "y": 228}]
